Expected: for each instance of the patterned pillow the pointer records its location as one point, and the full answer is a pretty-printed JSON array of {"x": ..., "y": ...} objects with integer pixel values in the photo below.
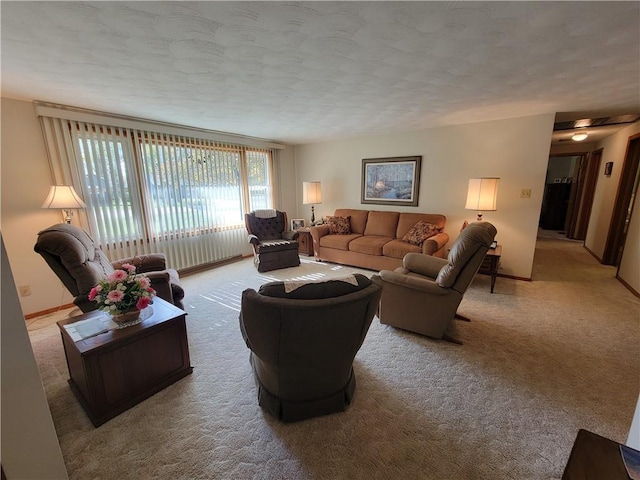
[
  {"x": 420, "y": 232},
  {"x": 339, "y": 225}
]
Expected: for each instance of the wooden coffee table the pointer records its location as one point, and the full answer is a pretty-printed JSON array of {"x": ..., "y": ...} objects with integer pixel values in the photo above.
[{"x": 113, "y": 371}]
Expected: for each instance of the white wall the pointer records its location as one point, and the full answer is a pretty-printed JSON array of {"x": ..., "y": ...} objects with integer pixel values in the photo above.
[
  {"x": 516, "y": 150},
  {"x": 286, "y": 181},
  {"x": 30, "y": 447},
  {"x": 614, "y": 150},
  {"x": 26, "y": 179}
]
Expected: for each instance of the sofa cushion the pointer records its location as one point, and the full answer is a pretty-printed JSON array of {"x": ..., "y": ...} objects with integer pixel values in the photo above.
[
  {"x": 382, "y": 224},
  {"x": 408, "y": 220},
  {"x": 398, "y": 249},
  {"x": 315, "y": 290},
  {"x": 420, "y": 232},
  {"x": 339, "y": 225},
  {"x": 338, "y": 242},
  {"x": 369, "y": 244},
  {"x": 358, "y": 218}
]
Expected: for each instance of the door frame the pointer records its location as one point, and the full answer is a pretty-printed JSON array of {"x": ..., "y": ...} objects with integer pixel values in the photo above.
[
  {"x": 627, "y": 187},
  {"x": 588, "y": 190}
]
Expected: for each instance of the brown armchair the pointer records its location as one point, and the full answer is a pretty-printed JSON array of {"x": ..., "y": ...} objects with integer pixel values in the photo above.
[
  {"x": 80, "y": 264},
  {"x": 303, "y": 343},
  {"x": 274, "y": 245},
  {"x": 424, "y": 294}
]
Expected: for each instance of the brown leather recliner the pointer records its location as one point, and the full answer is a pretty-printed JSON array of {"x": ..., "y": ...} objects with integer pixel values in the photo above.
[
  {"x": 274, "y": 245},
  {"x": 80, "y": 264},
  {"x": 424, "y": 294},
  {"x": 303, "y": 343}
]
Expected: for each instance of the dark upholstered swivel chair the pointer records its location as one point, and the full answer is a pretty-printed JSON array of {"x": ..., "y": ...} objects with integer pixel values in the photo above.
[
  {"x": 424, "y": 294},
  {"x": 303, "y": 343},
  {"x": 274, "y": 245},
  {"x": 80, "y": 264}
]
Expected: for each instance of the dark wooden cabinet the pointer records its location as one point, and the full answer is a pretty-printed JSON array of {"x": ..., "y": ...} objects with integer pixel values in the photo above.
[{"x": 115, "y": 370}]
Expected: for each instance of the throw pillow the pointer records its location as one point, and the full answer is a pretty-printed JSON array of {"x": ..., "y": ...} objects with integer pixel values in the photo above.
[
  {"x": 339, "y": 225},
  {"x": 420, "y": 232}
]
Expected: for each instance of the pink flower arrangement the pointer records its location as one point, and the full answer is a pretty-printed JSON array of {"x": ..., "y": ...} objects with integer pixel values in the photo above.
[{"x": 123, "y": 290}]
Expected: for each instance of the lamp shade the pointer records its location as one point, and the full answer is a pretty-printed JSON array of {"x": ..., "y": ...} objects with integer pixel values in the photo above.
[
  {"x": 63, "y": 197},
  {"x": 311, "y": 193},
  {"x": 482, "y": 194}
]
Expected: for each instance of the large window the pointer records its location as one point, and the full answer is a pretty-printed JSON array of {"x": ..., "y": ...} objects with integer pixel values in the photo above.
[{"x": 183, "y": 196}]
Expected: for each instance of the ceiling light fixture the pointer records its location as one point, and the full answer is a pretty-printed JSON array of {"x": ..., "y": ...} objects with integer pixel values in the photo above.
[{"x": 579, "y": 136}]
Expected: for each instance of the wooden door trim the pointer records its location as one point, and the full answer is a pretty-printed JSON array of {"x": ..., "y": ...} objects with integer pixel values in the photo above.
[
  {"x": 621, "y": 204},
  {"x": 591, "y": 179}
]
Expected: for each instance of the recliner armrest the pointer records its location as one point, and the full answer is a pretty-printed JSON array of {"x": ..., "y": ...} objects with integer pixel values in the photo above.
[
  {"x": 290, "y": 235},
  {"x": 151, "y": 262},
  {"x": 411, "y": 281},
  {"x": 426, "y": 265},
  {"x": 253, "y": 240}
]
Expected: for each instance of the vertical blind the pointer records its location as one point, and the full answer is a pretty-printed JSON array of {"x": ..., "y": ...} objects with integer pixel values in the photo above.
[{"x": 156, "y": 192}]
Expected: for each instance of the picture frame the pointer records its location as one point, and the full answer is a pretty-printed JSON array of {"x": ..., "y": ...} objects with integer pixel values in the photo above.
[
  {"x": 297, "y": 223},
  {"x": 608, "y": 168},
  {"x": 391, "y": 181}
]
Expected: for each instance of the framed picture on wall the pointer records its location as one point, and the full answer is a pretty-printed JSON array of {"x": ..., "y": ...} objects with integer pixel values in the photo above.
[
  {"x": 297, "y": 223},
  {"x": 391, "y": 181},
  {"x": 608, "y": 168}
]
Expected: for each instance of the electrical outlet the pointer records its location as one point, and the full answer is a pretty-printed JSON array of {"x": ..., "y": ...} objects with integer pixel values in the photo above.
[
  {"x": 25, "y": 290},
  {"x": 525, "y": 193}
]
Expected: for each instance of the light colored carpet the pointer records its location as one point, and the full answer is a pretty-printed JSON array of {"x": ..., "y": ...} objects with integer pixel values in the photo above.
[{"x": 540, "y": 360}]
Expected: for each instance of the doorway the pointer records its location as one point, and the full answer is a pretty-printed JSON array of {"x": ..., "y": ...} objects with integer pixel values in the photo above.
[
  {"x": 622, "y": 209},
  {"x": 569, "y": 192}
]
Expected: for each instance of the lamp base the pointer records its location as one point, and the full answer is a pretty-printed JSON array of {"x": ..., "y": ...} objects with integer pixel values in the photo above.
[
  {"x": 67, "y": 215},
  {"x": 479, "y": 217},
  {"x": 313, "y": 215}
]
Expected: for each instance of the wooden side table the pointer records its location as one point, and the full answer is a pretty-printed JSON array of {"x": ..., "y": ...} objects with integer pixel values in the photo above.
[
  {"x": 305, "y": 241},
  {"x": 113, "y": 371},
  {"x": 594, "y": 457},
  {"x": 490, "y": 264}
]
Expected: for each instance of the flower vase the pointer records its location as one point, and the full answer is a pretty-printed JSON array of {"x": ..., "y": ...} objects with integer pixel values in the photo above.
[{"x": 127, "y": 316}]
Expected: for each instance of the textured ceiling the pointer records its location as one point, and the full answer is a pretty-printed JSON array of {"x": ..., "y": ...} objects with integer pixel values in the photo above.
[{"x": 310, "y": 71}]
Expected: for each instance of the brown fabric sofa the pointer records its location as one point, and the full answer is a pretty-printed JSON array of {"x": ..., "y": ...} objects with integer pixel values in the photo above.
[{"x": 375, "y": 241}]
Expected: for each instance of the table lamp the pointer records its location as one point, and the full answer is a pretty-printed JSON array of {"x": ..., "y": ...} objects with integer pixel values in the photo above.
[
  {"x": 311, "y": 194},
  {"x": 65, "y": 198},
  {"x": 482, "y": 195}
]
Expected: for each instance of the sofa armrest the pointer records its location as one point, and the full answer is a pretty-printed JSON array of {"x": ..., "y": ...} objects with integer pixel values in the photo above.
[
  {"x": 426, "y": 265},
  {"x": 317, "y": 232},
  {"x": 435, "y": 243},
  {"x": 152, "y": 262},
  {"x": 425, "y": 285}
]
